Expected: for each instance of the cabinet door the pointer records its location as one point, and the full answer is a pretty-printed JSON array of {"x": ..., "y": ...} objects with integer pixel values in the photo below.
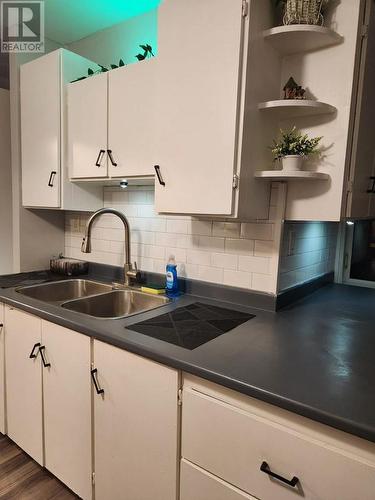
[
  {"x": 2, "y": 371},
  {"x": 360, "y": 201},
  {"x": 67, "y": 407},
  {"x": 40, "y": 131},
  {"x": 87, "y": 127},
  {"x": 132, "y": 119},
  {"x": 197, "y": 94},
  {"x": 135, "y": 427},
  {"x": 198, "y": 484},
  {"x": 24, "y": 382}
]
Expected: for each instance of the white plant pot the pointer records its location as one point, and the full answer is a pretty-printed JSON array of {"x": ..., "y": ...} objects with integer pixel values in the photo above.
[{"x": 292, "y": 162}]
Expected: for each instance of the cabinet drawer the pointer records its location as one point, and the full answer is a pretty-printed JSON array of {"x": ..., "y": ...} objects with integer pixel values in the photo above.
[
  {"x": 197, "y": 484},
  {"x": 232, "y": 444}
]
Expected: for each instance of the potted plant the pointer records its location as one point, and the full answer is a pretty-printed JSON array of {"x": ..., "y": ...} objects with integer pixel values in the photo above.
[
  {"x": 293, "y": 147},
  {"x": 303, "y": 11}
]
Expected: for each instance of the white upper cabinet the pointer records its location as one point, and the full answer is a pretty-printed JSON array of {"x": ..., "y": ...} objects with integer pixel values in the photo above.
[
  {"x": 45, "y": 181},
  {"x": 132, "y": 120},
  {"x": 87, "y": 127},
  {"x": 205, "y": 121},
  {"x": 40, "y": 129},
  {"x": 197, "y": 93}
]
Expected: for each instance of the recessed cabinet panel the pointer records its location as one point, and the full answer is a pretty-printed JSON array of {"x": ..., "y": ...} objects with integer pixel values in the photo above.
[
  {"x": 40, "y": 130},
  {"x": 197, "y": 96},
  {"x": 132, "y": 120},
  {"x": 67, "y": 407},
  {"x": 135, "y": 427},
  {"x": 87, "y": 127},
  {"x": 24, "y": 382}
]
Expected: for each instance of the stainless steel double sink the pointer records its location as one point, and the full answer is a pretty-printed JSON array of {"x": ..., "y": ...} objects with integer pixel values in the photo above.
[{"x": 95, "y": 299}]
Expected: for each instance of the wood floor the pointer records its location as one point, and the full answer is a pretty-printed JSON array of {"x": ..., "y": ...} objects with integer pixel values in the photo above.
[{"x": 23, "y": 479}]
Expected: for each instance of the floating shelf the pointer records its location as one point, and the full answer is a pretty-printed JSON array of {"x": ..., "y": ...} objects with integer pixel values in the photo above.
[
  {"x": 296, "y": 38},
  {"x": 294, "y": 107},
  {"x": 285, "y": 175}
]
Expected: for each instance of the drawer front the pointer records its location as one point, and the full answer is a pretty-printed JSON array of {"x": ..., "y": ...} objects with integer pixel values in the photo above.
[
  {"x": 232, "y": 444},
  {"x": 197, "y": 484}
]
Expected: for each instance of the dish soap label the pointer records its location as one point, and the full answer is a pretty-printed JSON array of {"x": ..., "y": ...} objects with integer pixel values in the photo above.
[{"x": 171, "y": 278}]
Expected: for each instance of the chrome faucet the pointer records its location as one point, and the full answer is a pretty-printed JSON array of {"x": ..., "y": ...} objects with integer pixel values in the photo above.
[{"x": 129, "y": 273}]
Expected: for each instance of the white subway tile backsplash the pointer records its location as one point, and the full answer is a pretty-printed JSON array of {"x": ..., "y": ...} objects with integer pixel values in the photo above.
[
  {"x": 239, "y": 247},
  {"x": 212, "y": 244},
  {"x": 257, "y": 231},
  {"x": 209, "y": 250},
  {"x": 226, "y": 229},
  {"x": 311, "y": 253},
  {"x": 225, "y": 261},
  {"x": 237, "y": 278},
  {"x": 198, "y": 257},
  {"x": 253, "y": 264}
]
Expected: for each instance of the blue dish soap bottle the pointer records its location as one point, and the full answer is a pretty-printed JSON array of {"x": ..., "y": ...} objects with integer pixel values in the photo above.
[{"x": 171, "y": 287}]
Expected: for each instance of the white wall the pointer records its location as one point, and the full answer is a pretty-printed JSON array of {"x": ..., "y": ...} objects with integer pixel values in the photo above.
[
  {"x": 229, "y": 253},
  {"x": 308, "y": 251},
  {"x": 119, "y": 42},
  {"x": 6, "y": 236}
]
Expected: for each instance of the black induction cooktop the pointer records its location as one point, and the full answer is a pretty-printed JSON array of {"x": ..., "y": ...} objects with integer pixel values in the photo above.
[{"x": 193, "y": 325}]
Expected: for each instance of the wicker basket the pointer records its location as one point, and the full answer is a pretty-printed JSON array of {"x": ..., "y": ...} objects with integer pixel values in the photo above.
[{"x": 303, "y": 12}]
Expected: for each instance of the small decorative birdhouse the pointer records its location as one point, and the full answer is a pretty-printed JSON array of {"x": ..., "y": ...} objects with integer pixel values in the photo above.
[{"x": 293, "y": 91}]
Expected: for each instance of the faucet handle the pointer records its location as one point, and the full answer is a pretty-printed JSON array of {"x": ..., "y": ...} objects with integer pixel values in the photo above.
[{"x": 135, "y": 266}]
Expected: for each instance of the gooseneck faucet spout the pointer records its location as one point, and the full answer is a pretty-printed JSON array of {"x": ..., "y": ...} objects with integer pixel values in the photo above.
[{"x": 129, "y": 272}]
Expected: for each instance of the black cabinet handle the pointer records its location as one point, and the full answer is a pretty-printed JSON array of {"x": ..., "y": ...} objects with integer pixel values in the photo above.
[
  {"x": 372, "y": 188},
  {"x": 33, "y": 354},
  {"x": 99, "y": 390},
  {"x": 41, "y": 350},
  {"x": 290, "y": 482},
  {"x": 99, "y": 158},
  {"x": 158, "y": 173},
  {"x": 109, "y": 151},
  {"x": 52, "y": 178}
]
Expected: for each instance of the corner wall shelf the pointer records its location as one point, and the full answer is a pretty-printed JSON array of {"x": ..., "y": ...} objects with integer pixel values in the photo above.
[
  {"x": 296, "y": 38},
  {"x": 294, "y": 107},
  {"x": 285, "y": 175}
]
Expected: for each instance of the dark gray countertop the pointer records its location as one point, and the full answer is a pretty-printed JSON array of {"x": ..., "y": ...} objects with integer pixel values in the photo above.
[{"x": 315, "y": 358}]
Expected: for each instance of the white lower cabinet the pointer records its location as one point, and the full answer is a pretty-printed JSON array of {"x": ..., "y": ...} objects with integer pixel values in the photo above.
[
  {"x": 67, "y": 407},
  {"x": 135, "y": 427},
  {"x": 48, "y": 378},
  {"x": 198, "y": 484},
  {"x": 2, "y": 371},
  {"x": 24, "y": 382},
  {"x": 244, "y": 442}
]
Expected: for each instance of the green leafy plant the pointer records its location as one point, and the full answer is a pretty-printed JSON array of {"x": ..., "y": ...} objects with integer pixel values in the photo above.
[
  {"x": 292, "y": 142},
  {"x": 147, "y": 52}
]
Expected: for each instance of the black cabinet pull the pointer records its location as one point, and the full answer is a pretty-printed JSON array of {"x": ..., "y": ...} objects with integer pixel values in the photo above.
[
  {"x": 33, "y": 354},
  {"x": 109, "y": 151},
  {"x": 158, "y": 173},
  {"x": 99, "y": 390},
  {"x": 290, "y": 482},
  {"x": 372, "y": 188},
  {"x": 100, "y": 157},
  {"x": 41, "y": 350},
  {"x": 52, "y": 178}
]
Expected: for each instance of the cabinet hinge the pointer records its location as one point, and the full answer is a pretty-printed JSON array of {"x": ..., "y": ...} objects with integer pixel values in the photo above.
[
  {"x": 236, "y": 180},
  {"x": 364, "y": 31},
  {"x": 245, "y": 8},
  {"x": 93, "y": 478},
  {"x": 349, "y": 187},
  {"x": 179, "y": 397}
]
